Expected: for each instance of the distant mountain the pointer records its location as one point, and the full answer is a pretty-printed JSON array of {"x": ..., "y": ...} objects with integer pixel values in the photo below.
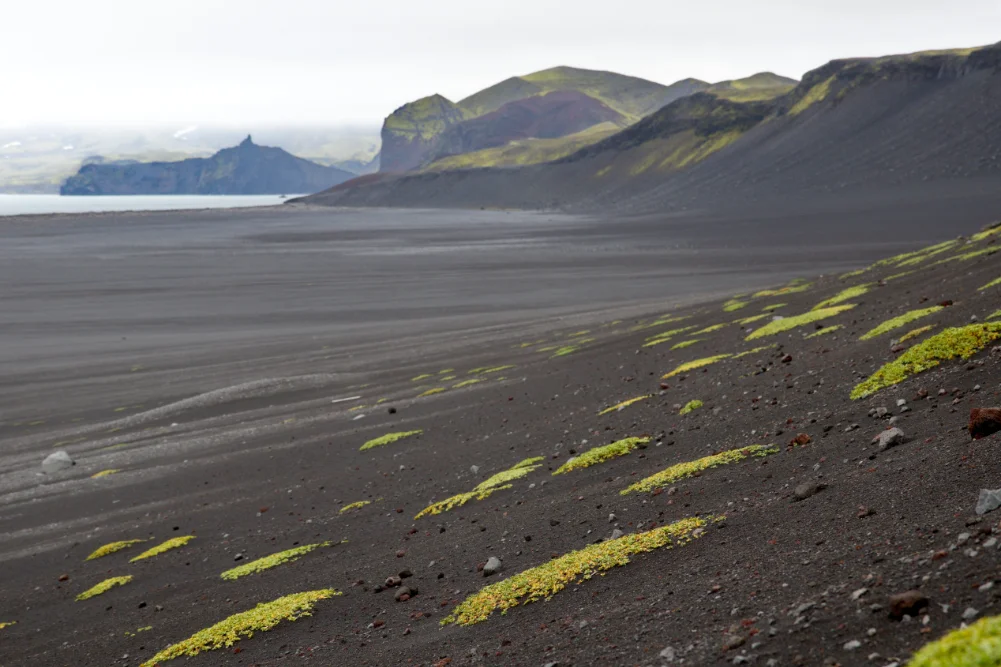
[
  {"x": 412, "y": 136},
  {"x": 242, "y": 170},
  {"x": 897, "y": 123},
  {"x": 754, "y": 88}
]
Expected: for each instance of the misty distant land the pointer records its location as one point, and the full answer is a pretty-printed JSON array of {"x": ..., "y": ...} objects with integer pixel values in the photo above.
[{"x": 246, "y": 169}]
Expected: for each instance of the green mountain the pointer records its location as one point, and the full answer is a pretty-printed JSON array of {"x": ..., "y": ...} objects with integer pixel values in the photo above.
[
  {"x": 410, "y": 134},
  {"x": 755, "y": 88}
]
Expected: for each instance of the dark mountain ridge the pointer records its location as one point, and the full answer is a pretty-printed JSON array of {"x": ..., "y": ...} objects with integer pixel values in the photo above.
[
  {"x": 246, "y": 169},
  {"x": 850, "y": 125}
]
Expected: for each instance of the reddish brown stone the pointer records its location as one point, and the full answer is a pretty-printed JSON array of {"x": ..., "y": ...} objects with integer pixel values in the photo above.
[
  {"x": 801, "y": 439},
  {"x": 909, "y": 603},
  {"x": 984, "y": 422}
]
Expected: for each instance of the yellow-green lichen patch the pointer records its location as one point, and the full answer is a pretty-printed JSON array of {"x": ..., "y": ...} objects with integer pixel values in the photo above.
[
  {"x": 274, "y": 560},
  {"x": 624, "y": 404},
  {"x": 734, "y": 304},
  {"x": 816, "y": 94},
  {"x": 853, "y": 274},
  {"x": 466, "y": 383},
  {"x": 692, "y": 468},
  {"x": 422, "y": 376},
  {"x": 387, "y": 439},
  {"x": 548, "y": 579},
  {"x": 774, "y": 306},
  {"x": 842, "y": 296},
  {"x": 261, "y": 618},
  {"x": 446, "y": 371},
  {"x": 357, "y": 505},
  {"x": 977, "y": 645},
  {"x": 691, "y": 406},
  {"x": 996, "y": 313},
  {"x": 578, "y": 334},
  {"x": 966, "y": 256},
  {"x": 601, "y": 454},
  {"x": 665, "y": 336},
  {"x": 794, "y": 287},
  {"x": 914, "y": 333},
  {"x": 825, "y": 331},
  {"x": 900, "y": 321},
  {"x": 787, "y": 323},
  {"x": 896, "y": 276},
  {"x": 952, "y": 343},
  {"x": 7, "y": 624},
  {"x": 685, "y": 343},
  {"x": 111, "y": 548},
  {"x": 987, "y": 233},
  {"x": 993, "y": 283},
  {"x": 754, "y": 350},
  {"x": 528, "y": 463},
  {"x": 431, "y": 392},
  {"x": 447, "y": 378},
  {"x": 483, "y": 370},
  {"x": 103, "y": 587},
  {"x": 692, "y": 365},
  {"x": 484, "y": 489},
  {"x": 565, "y": 350},
  {"x": 105, "y": 473},
  {"x": 751, "y": 319},
  {"x": 712, "y": 328},
  {"x": 172, "y": 543}
]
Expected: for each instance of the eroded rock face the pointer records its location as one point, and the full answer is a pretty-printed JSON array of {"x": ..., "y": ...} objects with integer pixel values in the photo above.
[{"x": 984, "y": 422}]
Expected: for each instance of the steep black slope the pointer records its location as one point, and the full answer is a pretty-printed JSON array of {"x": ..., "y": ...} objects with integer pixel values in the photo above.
[
  {"x": 242, "y": 170},
  {"x": 850, "y": 126}
]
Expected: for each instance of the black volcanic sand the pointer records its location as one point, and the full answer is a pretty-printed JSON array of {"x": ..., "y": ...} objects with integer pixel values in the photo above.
[{"x": 205, "y": 355}]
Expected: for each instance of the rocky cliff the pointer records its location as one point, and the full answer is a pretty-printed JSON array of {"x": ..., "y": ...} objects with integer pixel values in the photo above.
[{"x": 246, "y": 169}]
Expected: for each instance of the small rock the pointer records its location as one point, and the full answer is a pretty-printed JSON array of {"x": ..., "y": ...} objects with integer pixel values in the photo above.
[
  {"x": 787, "y": 359},
  {"x": 393, "y": 581},
  {"x": 668, "y": 654},
  {"x": 908, "y": 603},
  {"x": 989, "y": 500},
  {"x": 401, "y": 553},
  {"x": 402, "y": 594},
  {"x": 889, "y": 438},
  {"x": 404, "y": 574},
  {"x": 611, "y": 518},
  {"x": 859, "y": 593},
  {"x": 492, "y": 566},
  {"x": 901, "y": 402},
  {"x": 392, "y": 411},
  {"x": 881, "y": 412},
  {"x": 852, "y": 645},
  {"x": 238, "y": 557},
  {"x": 616, "y": 534},
  {"x": 64, "y": 577},
  {"x": 731, "y": 641},
  {"x": 57, "y": 461},
  {"x": 984, "y": 422},
  {"x": 474, "y": 469},
  {"x": 800, "y": 439},
  {"x": 807, "y": 489},
  {"x": 970, "y": 614}
]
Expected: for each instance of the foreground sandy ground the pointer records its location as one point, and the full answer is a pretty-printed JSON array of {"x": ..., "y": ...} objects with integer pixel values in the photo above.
[{"x": 252, "y": 447}]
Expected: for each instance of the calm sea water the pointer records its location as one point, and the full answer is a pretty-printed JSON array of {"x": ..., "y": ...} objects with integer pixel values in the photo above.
[{"x": 33, "y": 204}]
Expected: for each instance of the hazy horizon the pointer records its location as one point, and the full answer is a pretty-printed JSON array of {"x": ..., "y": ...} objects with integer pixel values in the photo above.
[{"x": 306, "y": 62}]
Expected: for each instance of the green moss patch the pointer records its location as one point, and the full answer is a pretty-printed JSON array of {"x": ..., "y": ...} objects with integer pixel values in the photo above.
[
  {"x": 168, "y": 545},
  {"x": 914, "y": 333},
  {"x": 112, "y": 547},
  {"x": 978, "y": 645},
  {"x": 734, "y": 304},
  {"x": 103, "y": 587},
  {"x": 685, "y": 343},
  {"x": 357, "y": 505},
  {"x": 993, "y": 283},
  {"x": 952, "y": 343},
  {"x": 546, "y": 580},
  {"x": 601, "y": 454},
  {"x": 431, "y": 392},
  {"x": 483, "y": 490},
  {"x": 900, "y": 321},
  {"x": 565, "y": 350},
  {"x": 466, "y": 383},
  {"x": 692, "y": 365},
  {"x": 7, "y": 624},
  {"x": 105, "y": 473},
  {"x": 754, "y": 350},
  {"x": 843, "y": 295},
  {"x": 483, "y": 370},
  {"x": 712, "y": 328},
  {"x": 261, "y": 618},
  {"x": 774, "y": 306},
  {"x": 692, "y": 468},
  {"x": 624, "y": 404},
  {"x": 825, "y": 331},
  {"x": 422, "y": 376},
  {"x": 787, "y": 323},
  {"x": 274, "y": 560},
  {"x": 691, "y": 406},
  {"x": 389, "y": 438},
  {"x": 665, "y": 336}
]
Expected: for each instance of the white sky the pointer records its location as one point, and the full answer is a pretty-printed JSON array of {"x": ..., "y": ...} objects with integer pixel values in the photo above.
[{"x": 347, "y": 61}]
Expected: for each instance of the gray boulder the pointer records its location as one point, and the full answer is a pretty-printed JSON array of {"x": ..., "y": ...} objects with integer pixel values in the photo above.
[
  {"x": 889, "y": 438},
  {"x": 57, "y": 461},
  {"x": 493, "y": 566},
  {"x": 989, "y": 500}
]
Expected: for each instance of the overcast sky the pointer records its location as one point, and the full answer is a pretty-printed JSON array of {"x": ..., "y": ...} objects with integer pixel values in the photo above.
[{"x": 338, "y": 61}]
